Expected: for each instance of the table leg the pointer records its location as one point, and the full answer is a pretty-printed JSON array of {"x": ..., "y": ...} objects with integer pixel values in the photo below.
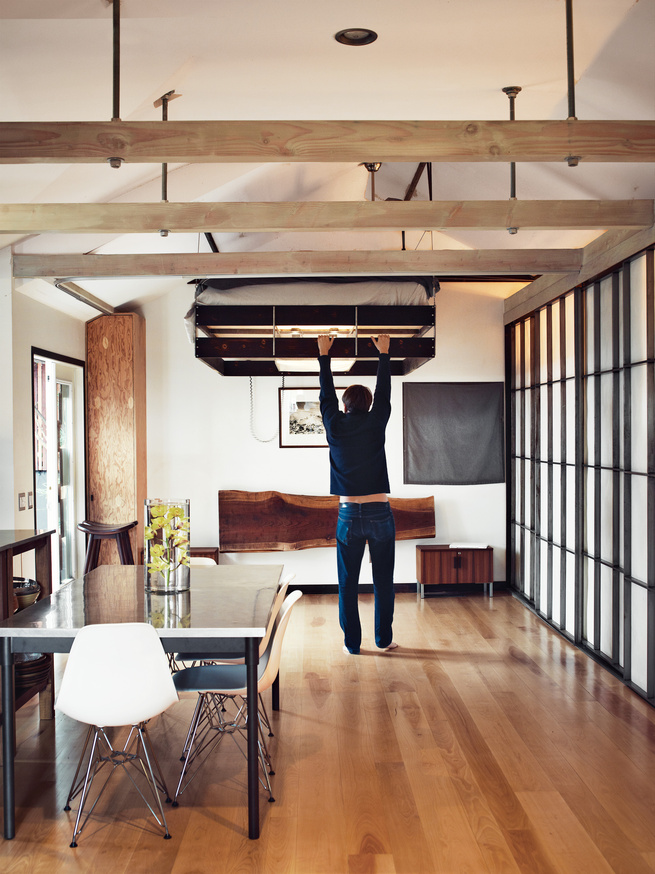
[
  {"x": 43, "y": 561},
  {"x": 6, "y": 583},
  {"x": 252, "y": 660},
  {"x": 8, "y": 737}
]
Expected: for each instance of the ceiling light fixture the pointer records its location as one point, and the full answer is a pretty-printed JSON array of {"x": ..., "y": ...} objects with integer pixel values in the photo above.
[
  {"x": 356, "y": 36},
  {"x": 313, "y": 330},
  {"x": 311, "y": 365},
  {"x": 373, "y": 169},
  {"x": 83, "y": 295}
]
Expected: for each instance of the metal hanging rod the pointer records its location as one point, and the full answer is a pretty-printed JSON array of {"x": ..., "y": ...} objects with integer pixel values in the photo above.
[
  {"x": 512, "y": 91},
  {"x": 116, "y": 113},
  {"x": 163, "y": 101}
]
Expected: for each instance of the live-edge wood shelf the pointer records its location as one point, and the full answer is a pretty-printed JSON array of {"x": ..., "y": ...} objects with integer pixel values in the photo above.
[{"x": 442, "y": 564}]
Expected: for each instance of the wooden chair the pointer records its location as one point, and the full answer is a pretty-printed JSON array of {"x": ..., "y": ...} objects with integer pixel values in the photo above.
[{"x": 97, "y": 531}]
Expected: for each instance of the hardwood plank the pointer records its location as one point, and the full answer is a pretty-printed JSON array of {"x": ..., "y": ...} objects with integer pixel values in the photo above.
[
  {"x": 282, "y": 839},
  {"x": 607, "y": 782},
  {"x": 404, "y": 827},
  {"x": 574, "y": 851},
  {"x": 386, "y": 747},
  {"x": 521, "y": 766},
  {"x": 411, "y": 728},
  {"x": 483, "y": 766},
  {"x": 317, "y": 141},
  {"x": 371, "y": 863},
  {"x": 364, "y": 796},
  {"x": 448, "y": 832},
  {"x": 596, "y": 819},
  {"x": 198, "y": 265},
  {"x": 272, "y": 217},
  {"x": 485, "y": 829},
  {"x": 322, "y": 854}
]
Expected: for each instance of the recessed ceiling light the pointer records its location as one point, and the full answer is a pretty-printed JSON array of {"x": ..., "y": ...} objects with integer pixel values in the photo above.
[{"x": 356, "y": 36}]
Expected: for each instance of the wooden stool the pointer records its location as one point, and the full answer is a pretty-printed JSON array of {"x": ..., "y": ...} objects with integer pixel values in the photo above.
[{"x": 98, "y": 531}]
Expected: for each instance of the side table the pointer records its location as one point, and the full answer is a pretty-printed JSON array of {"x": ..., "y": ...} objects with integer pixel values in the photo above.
[{"x": 454, "y": 563}]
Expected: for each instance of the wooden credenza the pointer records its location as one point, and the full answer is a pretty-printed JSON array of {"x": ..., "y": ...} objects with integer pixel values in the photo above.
[
  {"x": 204, "y": 552},
  {"x": 116, "y": 424},
  {"x": 452, "y": 564}
]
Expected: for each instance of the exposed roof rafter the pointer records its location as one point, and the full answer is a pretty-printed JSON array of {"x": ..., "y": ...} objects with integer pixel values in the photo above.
[
  {"x": 597, "y": 257},
  {"x": 319, "y": 141}
]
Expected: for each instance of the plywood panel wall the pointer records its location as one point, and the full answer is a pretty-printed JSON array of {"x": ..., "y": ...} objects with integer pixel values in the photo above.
[{"x": 116, "y": 424}]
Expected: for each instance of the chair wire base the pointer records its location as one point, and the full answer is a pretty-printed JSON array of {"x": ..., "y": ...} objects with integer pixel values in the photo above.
[
  {"x": 137, "y": 757},
  {"x": 210, "y": 723}
]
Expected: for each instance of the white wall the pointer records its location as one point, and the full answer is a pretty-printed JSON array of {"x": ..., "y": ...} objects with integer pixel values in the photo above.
[
  {"x": 199, "y": 438},
  {"x": 34, "y": 324},
  {"x": 24, "y": 323}
]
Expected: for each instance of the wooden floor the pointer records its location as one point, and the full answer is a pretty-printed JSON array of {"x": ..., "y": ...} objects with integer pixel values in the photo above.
[{"x": 485, "y": 743}]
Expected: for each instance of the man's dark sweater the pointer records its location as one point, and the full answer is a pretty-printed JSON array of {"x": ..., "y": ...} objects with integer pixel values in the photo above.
[{"x": 358, "y": 464}]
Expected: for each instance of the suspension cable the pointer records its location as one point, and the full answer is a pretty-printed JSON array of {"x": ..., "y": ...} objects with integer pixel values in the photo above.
[{"x": 252, "y": 416}]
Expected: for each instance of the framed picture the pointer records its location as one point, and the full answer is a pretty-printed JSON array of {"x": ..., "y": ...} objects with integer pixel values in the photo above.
[{"x": 301, "y": 425}]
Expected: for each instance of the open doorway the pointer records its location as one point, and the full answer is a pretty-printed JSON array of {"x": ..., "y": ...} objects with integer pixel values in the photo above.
[{"x": 59, "y": 457}]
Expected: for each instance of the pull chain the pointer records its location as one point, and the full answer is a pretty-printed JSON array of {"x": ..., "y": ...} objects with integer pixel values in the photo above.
[{"x": 252, "y": 417}]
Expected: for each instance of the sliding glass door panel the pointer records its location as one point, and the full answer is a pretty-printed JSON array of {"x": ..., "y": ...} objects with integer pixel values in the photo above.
[
  {"x": 639, "y": 418},
  {"x": 639, "y": 533},
  {"x": 639, "y": 635},
  {"x": 582, "y": 477}
]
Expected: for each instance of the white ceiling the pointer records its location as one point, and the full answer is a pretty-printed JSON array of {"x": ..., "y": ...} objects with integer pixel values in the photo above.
[{"x": 434, "y": 59}]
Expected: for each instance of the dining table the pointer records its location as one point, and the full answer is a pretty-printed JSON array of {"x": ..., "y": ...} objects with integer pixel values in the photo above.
[{"x": 226, "y": 606}]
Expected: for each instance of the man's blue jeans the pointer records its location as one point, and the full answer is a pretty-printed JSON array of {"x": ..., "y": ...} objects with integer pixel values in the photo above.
[{"x": 358, "y": 523}]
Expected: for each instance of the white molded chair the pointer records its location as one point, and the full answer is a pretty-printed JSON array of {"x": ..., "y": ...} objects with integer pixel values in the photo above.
[
  {"x": 200, "y": 560},
  {"x": 96, "y": 691},
  {"x": 218, "y": 684}
]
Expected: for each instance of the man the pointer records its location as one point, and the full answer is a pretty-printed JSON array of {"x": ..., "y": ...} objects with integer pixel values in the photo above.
[{"x": 358, "y": 474}]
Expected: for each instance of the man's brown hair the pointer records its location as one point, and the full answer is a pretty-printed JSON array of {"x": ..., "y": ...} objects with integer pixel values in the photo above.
[{"x": 357, "y": 399}]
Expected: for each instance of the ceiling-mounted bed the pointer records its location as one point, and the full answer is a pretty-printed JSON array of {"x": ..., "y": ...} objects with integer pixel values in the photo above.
[{"x": 268, "y": 327}]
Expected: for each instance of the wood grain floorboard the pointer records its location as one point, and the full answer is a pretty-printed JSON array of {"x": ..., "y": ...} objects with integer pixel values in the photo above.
[{"x": 486, "y": 744}]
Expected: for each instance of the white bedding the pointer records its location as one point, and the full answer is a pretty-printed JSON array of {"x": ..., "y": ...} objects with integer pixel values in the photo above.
[{"x": 385, "y": 292}]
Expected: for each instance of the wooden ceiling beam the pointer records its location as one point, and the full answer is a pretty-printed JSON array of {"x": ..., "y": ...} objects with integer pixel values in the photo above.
[
  {"x": 440, "y": 261},
  {"x": 598, "y": 257},
  {"x": 326, "y": 141},
  {"x": 125, "y": 218}
]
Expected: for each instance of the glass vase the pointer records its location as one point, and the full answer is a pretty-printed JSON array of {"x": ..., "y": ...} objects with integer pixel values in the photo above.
[
  {"x": 166, "y": 552},
  {"x": 168, "y": 610}
]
